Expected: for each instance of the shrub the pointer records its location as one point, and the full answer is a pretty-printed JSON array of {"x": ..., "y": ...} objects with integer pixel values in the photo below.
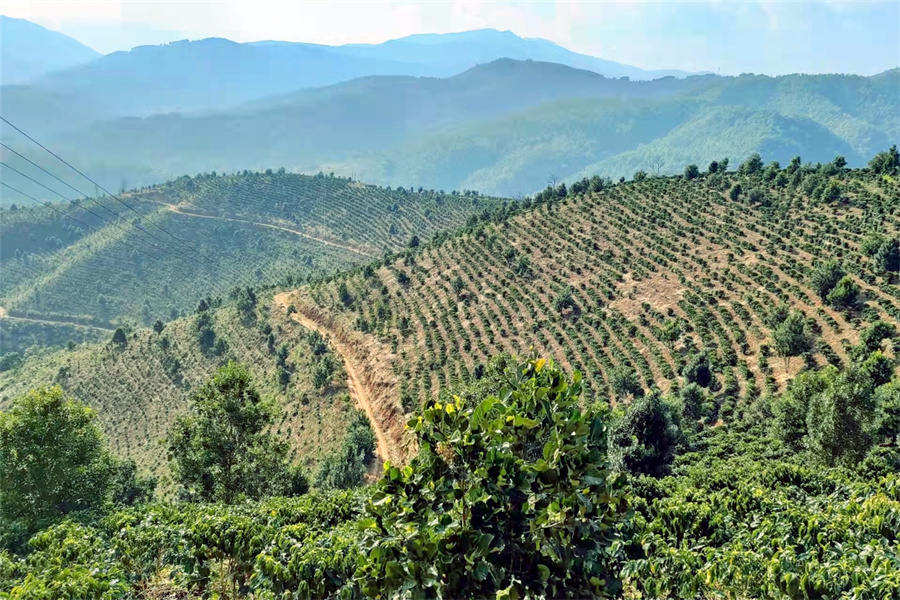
[{"x": 507, "y": 498}]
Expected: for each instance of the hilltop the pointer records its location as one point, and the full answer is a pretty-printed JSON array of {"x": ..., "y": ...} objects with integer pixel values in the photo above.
[{"x": 196, "y": 237}]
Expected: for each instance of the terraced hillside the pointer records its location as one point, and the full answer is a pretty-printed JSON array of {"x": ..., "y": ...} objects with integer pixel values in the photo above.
[
  {"x": 632, "y": 284},
  {"x": 140, "y": 386},
  {"x": 154, "y": 253}
]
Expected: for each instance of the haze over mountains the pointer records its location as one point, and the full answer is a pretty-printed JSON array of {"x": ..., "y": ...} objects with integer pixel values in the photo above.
[
  {"x": 30, "y": 51},
  {"x": 483, "y": 110}
]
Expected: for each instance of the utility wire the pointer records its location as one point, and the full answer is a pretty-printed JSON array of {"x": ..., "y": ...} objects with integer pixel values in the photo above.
[
  {"x": 104, "y": 219},
  {"x": 87, "y": 198},
  {"x": 77, "y": 220},
  {"x": 116, "y": 198}
]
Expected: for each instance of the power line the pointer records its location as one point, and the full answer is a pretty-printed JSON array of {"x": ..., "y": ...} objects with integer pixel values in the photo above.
[
  {"x": 116, "y": 198},
  {"x": 105, "y": 220},
  {"x": 88, "y": 199},
  {"x": 46, "y": 204},
  {"x": 68, "y": 216},
  {"x": 25, "y": 158}
]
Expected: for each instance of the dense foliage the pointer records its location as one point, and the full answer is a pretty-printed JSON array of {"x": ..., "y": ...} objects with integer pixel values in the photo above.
[
  {"x": 53, "y": 461},
  {"x": 222, "y": 452},
  {"x": 509, "y": 497}
]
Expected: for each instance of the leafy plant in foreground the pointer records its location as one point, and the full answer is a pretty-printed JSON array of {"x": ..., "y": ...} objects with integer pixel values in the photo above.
[{"x": 509, "y": 497}]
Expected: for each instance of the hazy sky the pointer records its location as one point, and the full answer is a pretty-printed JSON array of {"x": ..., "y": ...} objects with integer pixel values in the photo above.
[{"x": 765, "y": 36}]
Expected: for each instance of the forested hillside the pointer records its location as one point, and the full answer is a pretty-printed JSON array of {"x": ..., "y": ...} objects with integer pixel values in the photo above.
[
  {"x": 154, "y": 253},
  {"x": 141, "y": 382}
]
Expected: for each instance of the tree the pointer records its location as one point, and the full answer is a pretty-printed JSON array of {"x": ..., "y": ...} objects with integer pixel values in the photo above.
[
  {"x": 886, "y": 162},
  {"x": 887, "y": 411},
  {"x": 692, "y": 398},
  {"x": 699, "y": 370},
  {"x": 872, "y": 336},
  {"x": 414, "y": 242},
  {"x": 52, "y": 459},
  {"x": 832, "y": 192},
  {"x": 752, "y": 165},
  {"x": 508, "y": 497},
  {"x": 691, "y": 172},
  {"x": 458, "y": 285},
  {"x": 871, "y": 244},
  {"x": 791, "y": 408},
  {"x": 158, "y": 326},
  {"x": 119, "y": 338},
  {"x": 839, "y": 162},
  {"x": 222, "y": 450},
  {"x": 838, "y": 418},
  {"x": 735, "y": 192},
  {"x": 792, "y": 338},
  {"x": 845, "y": 295},
  {"x": 825, "y": 277},
  {"x": 887, "y": 258},
  {"x": 713, "y": 167},
  {"x": 624, "y": 382},
  {"x": 656, "y": 164},
  {"x": 346, "y": 467},
  {"x": 564, "y": 300},
  {"x": 877, "y": 368},
  {"x": 670, "y": 333},
  {"x": 639, "y": 176},
  {"x": 644, "y": 438},
  {"x": 344, "y": 294}
]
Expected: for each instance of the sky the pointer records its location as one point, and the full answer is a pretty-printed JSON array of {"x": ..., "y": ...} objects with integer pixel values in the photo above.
[{"x": 731, "y": 37}]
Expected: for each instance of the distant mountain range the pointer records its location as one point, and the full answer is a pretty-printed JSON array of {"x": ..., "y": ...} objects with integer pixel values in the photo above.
[
  {"x": 215, "y": 73},
  {"x": 378, "y": 113},
  {"x": 29, "y": 51}
]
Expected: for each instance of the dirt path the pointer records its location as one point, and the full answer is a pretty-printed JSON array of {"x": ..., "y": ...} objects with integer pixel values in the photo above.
[
  {"x": 174, "y": 208},
  {"x": 358, "y": 391},
  {"x": 5, "y": 315}
]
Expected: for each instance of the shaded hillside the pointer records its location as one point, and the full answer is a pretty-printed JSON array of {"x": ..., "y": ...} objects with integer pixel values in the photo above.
[
  {"x": 30, "y": 51},
  {"x": 506, "y": 127},
  {"x": 640, "y": 282},
  {"x": 203, "y": 236},
  {"x": 306, "y": 130}
]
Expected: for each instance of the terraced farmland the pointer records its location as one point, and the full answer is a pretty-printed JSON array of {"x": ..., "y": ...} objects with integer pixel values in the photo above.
[
  {"x": 637, "y": 280},
  {"x": 138, "y": 388},
  {"x": 202, "y": 236}
]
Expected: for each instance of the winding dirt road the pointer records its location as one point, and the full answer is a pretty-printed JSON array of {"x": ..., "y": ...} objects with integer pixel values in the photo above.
[
  {"x": 5, "y": 315},
  {"x": 174, "y": 208},
  {"x": 358, "y": 391}
]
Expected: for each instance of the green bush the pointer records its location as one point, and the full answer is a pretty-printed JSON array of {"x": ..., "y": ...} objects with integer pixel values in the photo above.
[{"x": 508, "y": 497}]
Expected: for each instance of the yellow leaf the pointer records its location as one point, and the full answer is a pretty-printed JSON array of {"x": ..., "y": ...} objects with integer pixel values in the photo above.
[{"x": 540, "y": 364}]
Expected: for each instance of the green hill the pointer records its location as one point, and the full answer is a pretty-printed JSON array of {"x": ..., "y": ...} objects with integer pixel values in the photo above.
[{"x": 198, "y": 237}]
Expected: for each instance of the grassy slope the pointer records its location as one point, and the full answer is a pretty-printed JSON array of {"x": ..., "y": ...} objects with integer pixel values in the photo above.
[{"x": 637, "y": 257}]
